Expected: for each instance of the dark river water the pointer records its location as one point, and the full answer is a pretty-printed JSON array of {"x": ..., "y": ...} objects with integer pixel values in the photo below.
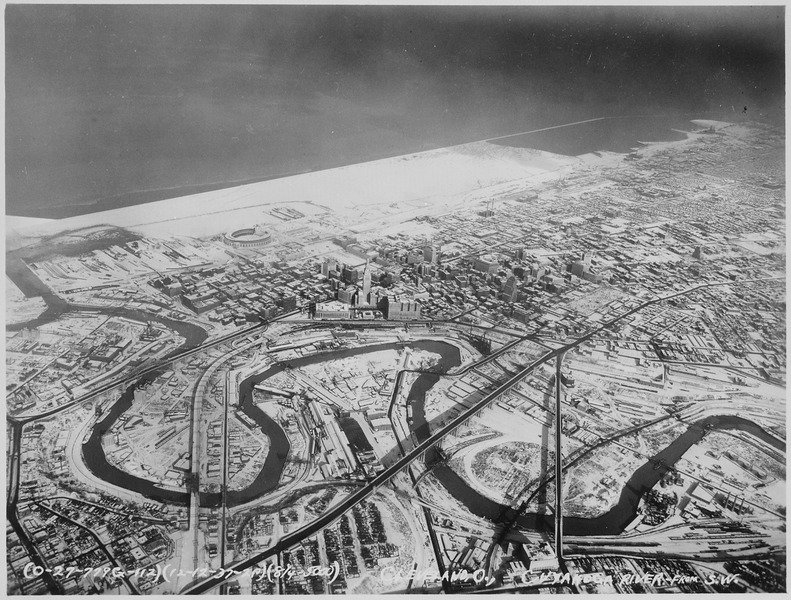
[
  {"x": 269, "y": 477},
  {"x": 95, "y": 460},
  {"x": 92, "y": 451},
  {"x": 613, "y": 522},
  {"x": 617, "y": 518}
]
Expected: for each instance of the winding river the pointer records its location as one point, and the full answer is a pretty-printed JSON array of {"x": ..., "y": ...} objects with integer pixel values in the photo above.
[
  {"x": 269, "y": 477},
  {"x": 612, "y": 522}
]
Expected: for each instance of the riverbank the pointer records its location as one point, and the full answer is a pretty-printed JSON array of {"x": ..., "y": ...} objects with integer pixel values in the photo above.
[
  {"x": 268, "y": 479},
  {"x": 611, "y": 523}
]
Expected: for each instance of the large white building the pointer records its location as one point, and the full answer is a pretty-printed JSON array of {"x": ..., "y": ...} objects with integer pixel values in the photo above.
[
  {"x": 396, "y": 309},
  {"x": 333, "y": 310},
  {"x": 250, "y": 237},
  {"x": 486, "y": 264}
]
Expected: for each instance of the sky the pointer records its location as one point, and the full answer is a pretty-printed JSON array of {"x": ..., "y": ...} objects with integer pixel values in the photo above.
[{"x": 113, "y": 104}]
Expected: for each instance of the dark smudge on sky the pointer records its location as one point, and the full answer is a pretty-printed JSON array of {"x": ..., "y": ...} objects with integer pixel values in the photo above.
[{"x": 107, "y": 100}]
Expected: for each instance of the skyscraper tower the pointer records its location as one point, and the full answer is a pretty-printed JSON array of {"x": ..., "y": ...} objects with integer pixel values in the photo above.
[
  {"x": 430, "y": 253},
  {"x": 366, "y": 283}
]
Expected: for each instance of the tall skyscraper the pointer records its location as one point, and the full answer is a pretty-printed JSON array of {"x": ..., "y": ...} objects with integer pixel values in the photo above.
[
  {"x": 430, "y": 253},
  {"x": 366, "y": 283},
  {"x": 329, "y": 264}
]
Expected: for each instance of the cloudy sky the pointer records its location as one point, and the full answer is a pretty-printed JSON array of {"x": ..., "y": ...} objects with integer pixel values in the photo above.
[{"x": 110, "y": 103}]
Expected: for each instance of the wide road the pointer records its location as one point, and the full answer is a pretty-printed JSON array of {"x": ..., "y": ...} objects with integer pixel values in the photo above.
[
  {"x": 559, "y": 461},
  {"x": 355, "y": 498}
]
